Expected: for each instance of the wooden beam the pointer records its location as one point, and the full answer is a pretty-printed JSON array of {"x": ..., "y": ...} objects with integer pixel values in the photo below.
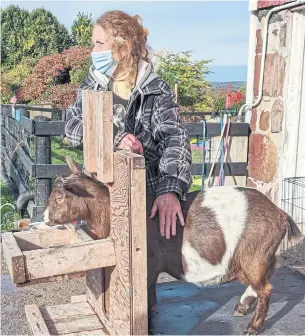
[
  {"x": 13, "y": 257},
  {"x": 111, "y": 300},
  {"x": 42, "y": 239},
  {"x": 66, "y": 311},
  {"x": 36, "y": 321},
  {"x": 69, "y": 259},
  {"x": 138, "y": 250},
  {"x": 105, "y": 137},
  {"x": 78, "y": 234},
  {"x": 90, "y": 107}
]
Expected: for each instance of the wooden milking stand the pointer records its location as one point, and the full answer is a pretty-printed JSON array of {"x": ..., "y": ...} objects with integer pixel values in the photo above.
[
  {"x": 118, "y": 294},
  {"x": 116, "y": 286}
]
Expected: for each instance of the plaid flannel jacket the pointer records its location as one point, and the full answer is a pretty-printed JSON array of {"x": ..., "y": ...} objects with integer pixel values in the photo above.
[{"x": 165, "y": 141}]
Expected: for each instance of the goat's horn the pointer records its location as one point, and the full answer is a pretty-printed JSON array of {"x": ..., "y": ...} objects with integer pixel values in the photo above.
[{"x": 72, "y": 165}]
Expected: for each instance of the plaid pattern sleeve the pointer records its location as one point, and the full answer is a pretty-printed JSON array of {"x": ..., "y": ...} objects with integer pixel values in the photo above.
[
  {"x": 74, "y": 122},
  {"x": 172, "y": 145}
]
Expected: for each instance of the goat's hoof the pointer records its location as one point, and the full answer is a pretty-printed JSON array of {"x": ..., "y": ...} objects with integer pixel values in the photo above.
[
  {"x": 241, "y": 310},
  {"x": 251, "y": 331}
]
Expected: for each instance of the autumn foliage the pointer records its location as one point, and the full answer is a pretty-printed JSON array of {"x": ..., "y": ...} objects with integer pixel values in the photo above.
[{"x": 55, "y": 79}]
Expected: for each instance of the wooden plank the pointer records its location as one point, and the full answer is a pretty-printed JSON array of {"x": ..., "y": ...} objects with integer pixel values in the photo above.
[
  {"x": 36, "y": 321},
  {"x": 43, "y": 238},
  {"x": 66, "y": 311},
  {"x": 92, "y": 332},
  {"x": 22, "y": 154},
  {"x": 78, "y": 234},
  {"x": 213, "y": 129},
  {"x": 79, "y": 298},
  {"x": 27, "y": 124},
  {"x": 74, "y": 325},
  {"x": 90, "y": 135},
  {"x": 117, "y": 319},
  {"x": 138, "y": 279},
  {"x": 32, "y": 108},
  {"x": 230, "y": 168},
  {"x": 43, "y": 128},
  {"x": 69, "y": 259},
  {"x": 45, "y": 170},
  {"x": 105, "y": 137},
  {"x": 13, "y": 257},
  {"x": 13, "y": 172}
]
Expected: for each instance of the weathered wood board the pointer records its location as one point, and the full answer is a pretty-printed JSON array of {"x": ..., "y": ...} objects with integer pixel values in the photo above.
[
  {"x": 67, "y": 319},
  {"x": 45, "y": 253},
  {"x": 118, "y": 295}
]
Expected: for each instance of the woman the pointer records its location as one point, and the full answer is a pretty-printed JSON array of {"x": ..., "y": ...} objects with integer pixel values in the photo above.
[{"x": 144, "y": 112}]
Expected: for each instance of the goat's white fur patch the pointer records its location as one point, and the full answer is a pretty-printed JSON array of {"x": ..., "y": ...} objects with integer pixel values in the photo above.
[
  {"x": 229, "y": 206},
  {"x": 249, "y": 292},
  {"x": 46, "y": 218}
]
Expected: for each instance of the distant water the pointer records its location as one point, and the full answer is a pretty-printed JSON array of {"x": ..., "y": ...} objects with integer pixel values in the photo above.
[{"x": 227, "y": 73}]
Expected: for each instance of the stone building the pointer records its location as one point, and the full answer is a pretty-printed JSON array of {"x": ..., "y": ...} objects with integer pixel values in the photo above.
[{"x": 277, "y": 140}]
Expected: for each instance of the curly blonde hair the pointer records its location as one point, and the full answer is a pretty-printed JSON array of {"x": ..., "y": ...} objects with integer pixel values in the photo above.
[{"x": 129, "y": 41}]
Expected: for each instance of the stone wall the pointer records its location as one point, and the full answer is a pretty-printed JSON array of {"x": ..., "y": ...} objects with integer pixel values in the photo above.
[{"x": 266, "y": 122}]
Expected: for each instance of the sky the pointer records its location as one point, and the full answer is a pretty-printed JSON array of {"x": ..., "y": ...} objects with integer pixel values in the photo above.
[{"x": 213, "y": 30}]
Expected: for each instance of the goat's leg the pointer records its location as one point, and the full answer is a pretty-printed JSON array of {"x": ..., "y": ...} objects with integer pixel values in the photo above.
[
  {"x": 246, "y": 301},
  {"x": 263, "y": 293}
]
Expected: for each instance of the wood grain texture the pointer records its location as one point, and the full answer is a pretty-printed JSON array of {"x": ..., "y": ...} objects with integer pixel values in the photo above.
[
  {"x": 36, "y": 321},
  {"x": 66, "y": 311},
  {"x": 92, "y": 332},
  {"x": 13, "y": 257},
  {"x": 90, "y": 135},
  {"x": 78, "y": 234},
  {"x": 138, "y": 278},
  {"x": 46, "y": 238},
  {"x": 117, "y": 321},
  {"x": 105, "y": 137},
  {"x": 69, "y": 259},
  {"x": 74, "y": 325}
]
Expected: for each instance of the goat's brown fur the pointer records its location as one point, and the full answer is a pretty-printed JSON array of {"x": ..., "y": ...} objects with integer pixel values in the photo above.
[{"x": 81, "y": 197}]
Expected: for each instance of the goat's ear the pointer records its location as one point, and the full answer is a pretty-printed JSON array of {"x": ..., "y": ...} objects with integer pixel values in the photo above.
[
  {"x": 77, "y": 190},
  {"x": 72, "y": 165}
]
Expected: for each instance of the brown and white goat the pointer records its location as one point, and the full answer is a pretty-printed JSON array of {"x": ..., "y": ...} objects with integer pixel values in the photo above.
[{"x": 231, "y": 233}]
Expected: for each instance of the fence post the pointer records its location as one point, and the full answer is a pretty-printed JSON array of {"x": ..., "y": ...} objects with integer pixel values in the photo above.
[{"x": 42, "y": 185}]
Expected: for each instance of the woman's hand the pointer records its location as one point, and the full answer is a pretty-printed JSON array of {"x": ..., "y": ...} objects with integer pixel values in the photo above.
[
  {"x": 169, "y": 207},
  {"x": 131, "y": 143}
]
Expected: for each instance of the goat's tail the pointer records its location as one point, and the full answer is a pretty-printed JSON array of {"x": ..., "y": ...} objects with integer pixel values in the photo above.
[{"x": 294, "y": 234}]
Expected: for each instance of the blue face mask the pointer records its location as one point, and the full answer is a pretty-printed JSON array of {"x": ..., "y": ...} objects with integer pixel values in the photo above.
[{"x": 103, "y": 62}]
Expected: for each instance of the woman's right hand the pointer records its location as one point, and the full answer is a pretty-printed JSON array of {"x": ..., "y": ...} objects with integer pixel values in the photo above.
[{"x": 131, "y": 143}]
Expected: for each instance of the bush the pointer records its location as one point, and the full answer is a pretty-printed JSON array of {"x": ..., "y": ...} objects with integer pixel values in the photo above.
[
  {"x": 11, "y": 80},
  {"x": 47, "y": 83},
  {"x": 220, "y": 98}
]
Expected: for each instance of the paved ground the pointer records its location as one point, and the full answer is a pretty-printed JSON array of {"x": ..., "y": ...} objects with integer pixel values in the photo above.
[
  {"x": 184, "y": 308},
  {"x": 187, "y": 310}
]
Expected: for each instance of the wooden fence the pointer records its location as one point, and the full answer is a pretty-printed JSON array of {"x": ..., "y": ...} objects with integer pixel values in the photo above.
[{"x": 31, "y": 169}]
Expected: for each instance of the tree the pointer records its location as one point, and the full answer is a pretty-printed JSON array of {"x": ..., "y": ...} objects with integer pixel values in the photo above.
[
  {"x": 13, "y": 21},
  {"x": 190, "y": 76},
  {"x": 30, "y": 35},
  {"x": 82, "y": 29},
  {"x": 44, "y": 34}
]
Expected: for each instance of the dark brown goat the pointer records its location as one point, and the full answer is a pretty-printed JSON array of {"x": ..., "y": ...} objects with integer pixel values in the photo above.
[{"x": 231, "y": 233}]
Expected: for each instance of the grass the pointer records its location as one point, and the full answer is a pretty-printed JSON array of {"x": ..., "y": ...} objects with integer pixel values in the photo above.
[
  {"x": 60, "y": 151},
  {"x": 8, "y": 214}
]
